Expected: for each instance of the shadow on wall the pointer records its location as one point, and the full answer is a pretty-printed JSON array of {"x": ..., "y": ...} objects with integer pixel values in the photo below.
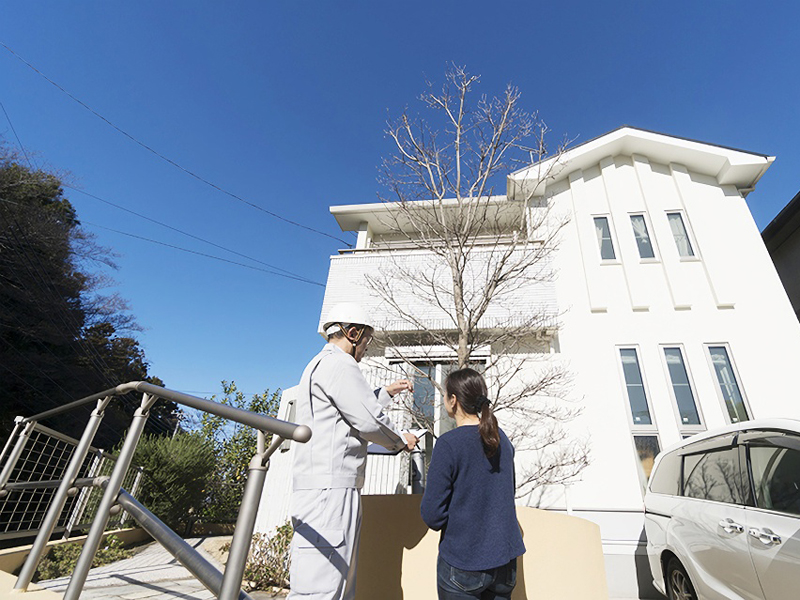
[
  {"x": 644, "y": 576},
  {"x": 397, "y": 554}
]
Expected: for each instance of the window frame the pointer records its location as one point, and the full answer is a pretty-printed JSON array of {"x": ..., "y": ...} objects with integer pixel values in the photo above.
[
  {"x": 612, "y": 237},
  {"x": 439, "y": 363},
  {"x": 648, "y": 226},
  {"x": 689, "y": 235},
  {"x": 652, "y": 427},
  {"x": 718, "y": 388},
  {"x": 741, "y": 468},
  {"x": 683, "y": 429},
  {"x": 752, "y": 439},
  {"x": 644, "y": 480}
]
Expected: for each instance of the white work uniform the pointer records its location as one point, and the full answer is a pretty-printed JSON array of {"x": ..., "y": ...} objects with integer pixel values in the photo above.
[{"x": 344, "y": 414}]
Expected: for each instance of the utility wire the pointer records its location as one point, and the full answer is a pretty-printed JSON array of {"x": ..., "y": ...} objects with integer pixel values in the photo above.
[
  {"x": 186, "y": 233},
  {"x": 170, "y": 161},
  {"x": 120, "y": 207},
  {"x": 28, "y": 158},
  {"x": 203, "y": 254},
  {"x": 233, "y": 262}
]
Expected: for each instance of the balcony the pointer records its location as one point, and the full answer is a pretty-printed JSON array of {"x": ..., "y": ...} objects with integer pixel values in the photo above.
[{"x": 422, "y": 285}]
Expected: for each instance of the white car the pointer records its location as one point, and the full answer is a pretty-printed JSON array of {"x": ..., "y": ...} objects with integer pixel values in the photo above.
[{"x": 722, "y": 514}]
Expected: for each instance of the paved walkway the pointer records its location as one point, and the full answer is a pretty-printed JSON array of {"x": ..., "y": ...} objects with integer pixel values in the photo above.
[{"x": 152, "y": 574}]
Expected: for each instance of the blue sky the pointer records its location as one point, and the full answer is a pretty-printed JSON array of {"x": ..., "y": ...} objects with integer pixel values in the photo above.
[{"x": 284, "y": 104}]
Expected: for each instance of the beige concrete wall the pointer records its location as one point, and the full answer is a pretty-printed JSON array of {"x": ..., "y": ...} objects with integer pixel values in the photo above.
[{"x": 397, "y": 556}]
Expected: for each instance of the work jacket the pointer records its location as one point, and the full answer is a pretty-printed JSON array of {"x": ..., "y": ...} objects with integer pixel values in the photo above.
[{"x": 335, "y": 400}]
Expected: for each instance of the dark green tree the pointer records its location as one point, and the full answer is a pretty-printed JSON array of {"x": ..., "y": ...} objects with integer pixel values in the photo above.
[{"x": 60, "y": 338}]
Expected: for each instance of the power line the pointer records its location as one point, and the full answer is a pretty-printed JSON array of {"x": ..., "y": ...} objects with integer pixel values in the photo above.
[
  {"x": 186, "y": 233},
  {"x": 120, "y": 207},
  {"x": 288, "y": 274},
  {"x": 28, "y": 158},
  {"x": 168, "y": 160},
  {"x": 233, "y": 262}
]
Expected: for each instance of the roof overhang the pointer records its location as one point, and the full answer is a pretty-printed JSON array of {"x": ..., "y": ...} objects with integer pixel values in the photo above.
[
  {"x": 728, "y": 166},
  {"x": 385, "y": 217}
]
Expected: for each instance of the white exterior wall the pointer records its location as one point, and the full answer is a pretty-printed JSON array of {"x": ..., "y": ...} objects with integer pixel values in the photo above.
[{"x": 730, "y": 294}]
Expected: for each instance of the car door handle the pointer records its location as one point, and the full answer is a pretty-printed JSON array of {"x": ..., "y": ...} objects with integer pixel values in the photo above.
[
  {"x": 730, "y": 527},
  {"x": 765, "y": 536}
]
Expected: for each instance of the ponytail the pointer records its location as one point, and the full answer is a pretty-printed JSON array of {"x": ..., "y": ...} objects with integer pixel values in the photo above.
[
  {"x": 490, "y": 434},
  {"x": 470, "y": 391}
]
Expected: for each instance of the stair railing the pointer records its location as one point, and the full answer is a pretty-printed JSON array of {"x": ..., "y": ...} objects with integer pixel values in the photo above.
[{"x": 225, "y": 585}]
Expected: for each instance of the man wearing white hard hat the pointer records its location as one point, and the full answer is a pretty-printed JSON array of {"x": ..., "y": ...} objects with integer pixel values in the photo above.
[{"x": 344, "y": 413}]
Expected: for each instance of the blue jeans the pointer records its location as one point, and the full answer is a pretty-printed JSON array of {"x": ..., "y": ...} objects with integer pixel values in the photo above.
[{"x": 492, "y": 584}]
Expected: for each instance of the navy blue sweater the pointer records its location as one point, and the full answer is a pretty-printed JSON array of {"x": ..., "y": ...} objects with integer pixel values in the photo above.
[{"x": 470, "y": 498}]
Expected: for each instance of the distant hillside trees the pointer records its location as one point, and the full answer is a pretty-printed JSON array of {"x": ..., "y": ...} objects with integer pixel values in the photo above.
[{"x": 60, "y": 338}]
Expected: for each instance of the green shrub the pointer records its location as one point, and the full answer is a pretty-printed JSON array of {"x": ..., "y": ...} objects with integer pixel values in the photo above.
[
  {"x": 268, "y": 563},
  {"x": 61, "y": 559},
  {"x": 177, "y": 472}
]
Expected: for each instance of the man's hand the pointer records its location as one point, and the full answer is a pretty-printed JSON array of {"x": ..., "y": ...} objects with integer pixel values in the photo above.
[
  {"x": 411, "y": 441},
  {"x": 401, "y": 385}
]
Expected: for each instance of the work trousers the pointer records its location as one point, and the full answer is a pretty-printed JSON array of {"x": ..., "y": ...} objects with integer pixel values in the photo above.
[{"x": 327, "y": 525}]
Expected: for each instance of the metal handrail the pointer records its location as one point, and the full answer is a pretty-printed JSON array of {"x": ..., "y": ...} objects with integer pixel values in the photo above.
[
  {"x": 298, "y": 433},
  {"x": 226, "y": 585}
]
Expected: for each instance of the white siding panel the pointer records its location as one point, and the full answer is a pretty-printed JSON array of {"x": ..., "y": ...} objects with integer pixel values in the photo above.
[
  {"x": 587, "y": 241},
  {"x": 403, "y": 270}
]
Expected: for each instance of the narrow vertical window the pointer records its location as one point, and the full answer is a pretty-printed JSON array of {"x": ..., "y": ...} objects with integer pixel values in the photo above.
[
  {"x": 682, "y": 390},
  {"x": 603, "y": 231},
  {"x": 647, "y": 447},
  {"x": 728, "y": 386},
  {"x": 424, "y": 394},
  {"x": 642, "y": 237},
  {"x": 680, "y": 234},
  {"x": 640, "y": 411}
]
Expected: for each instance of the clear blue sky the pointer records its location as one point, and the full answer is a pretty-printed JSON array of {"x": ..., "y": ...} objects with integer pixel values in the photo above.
[{"x": 284, "y": 103}]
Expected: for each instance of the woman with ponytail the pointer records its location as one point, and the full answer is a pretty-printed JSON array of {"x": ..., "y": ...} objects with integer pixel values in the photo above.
[{"x": 469, "y": 497}]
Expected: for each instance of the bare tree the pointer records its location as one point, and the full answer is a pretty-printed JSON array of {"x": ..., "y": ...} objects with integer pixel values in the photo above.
[{"x": 469, "y": 272}]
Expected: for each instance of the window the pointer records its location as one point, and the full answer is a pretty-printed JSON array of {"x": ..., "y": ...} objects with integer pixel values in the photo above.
[
  {"x": 776, "y": 477},
  {"x": 667, "y": 479},
  {"x": 603, "y": 230},
  {"x": 680, "y": 234},
  {"x": 428, "y": 408},
  {"x": 647, "y": 447},
  {"x": 714, "y": 476},
  {"x": 640, "y": 411},
  {"x": 424, "y": 391},
  {"x": 728, "y": 385},
  {"x": 681, "y": 387},
  {"x": 642, "y": 236}
]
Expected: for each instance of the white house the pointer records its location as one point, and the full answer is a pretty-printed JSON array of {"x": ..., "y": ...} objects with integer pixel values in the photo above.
[{"x": 664, "y": 306}]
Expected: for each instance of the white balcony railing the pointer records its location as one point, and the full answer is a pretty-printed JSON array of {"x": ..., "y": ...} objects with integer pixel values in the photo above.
[{"x": 421, "y": 285}]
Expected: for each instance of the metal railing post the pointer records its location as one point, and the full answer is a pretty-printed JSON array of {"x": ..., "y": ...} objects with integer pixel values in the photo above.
[
  {"x": 245, "y": 522},
  {"x": 95, "y": 536},
  {"x": 137, "y": 481},
  {"x": 417, "y": 471},
  {"x": 83, "y": 499},
  {"x": 60, "y": 497},
  {"x": 183, "y": 552},
  {"x": 5, "y": 475},
  {"x": 17, "y": 426}
]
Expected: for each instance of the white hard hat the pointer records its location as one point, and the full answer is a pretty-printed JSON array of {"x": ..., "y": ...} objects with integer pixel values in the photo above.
[{"x": 346, "y": 313}]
